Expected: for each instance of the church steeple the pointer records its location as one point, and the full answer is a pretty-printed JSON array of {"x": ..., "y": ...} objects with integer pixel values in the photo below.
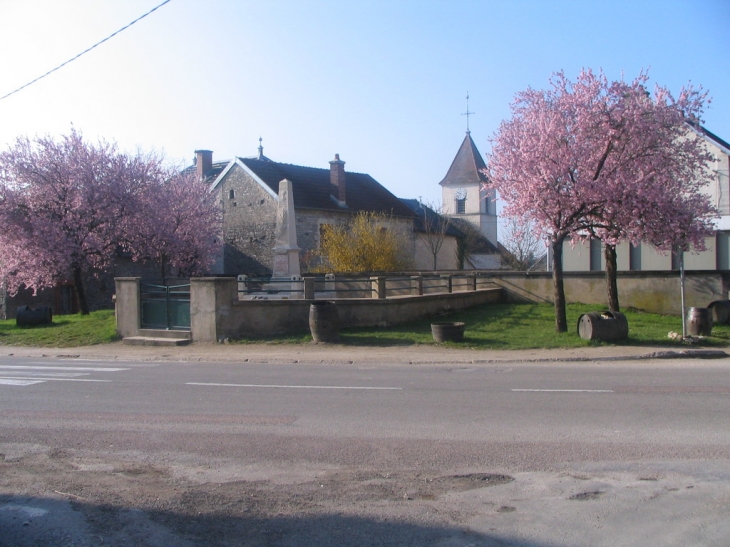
[
  {"x": 463, "y": 192},
  {"x": 466, "y": 169}
]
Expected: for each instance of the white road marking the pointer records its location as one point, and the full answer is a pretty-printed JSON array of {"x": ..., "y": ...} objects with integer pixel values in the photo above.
[
  {"x": 568, "y": 390},
  {"x": 53, "y": 374},
  {"x": 292, "y": 387},
  {"x": 38, "y": 372},
  {"x": 51, "y": 367},
  {"x": 46, "y": 379},
  {"x": 16, "y": 382}
]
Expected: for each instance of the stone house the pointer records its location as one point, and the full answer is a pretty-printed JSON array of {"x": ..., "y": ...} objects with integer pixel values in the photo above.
[{"x": 248, "y": 192}]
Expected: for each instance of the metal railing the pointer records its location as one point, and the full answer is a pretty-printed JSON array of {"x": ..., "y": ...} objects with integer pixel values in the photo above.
[{"x": 332, "y": 287}]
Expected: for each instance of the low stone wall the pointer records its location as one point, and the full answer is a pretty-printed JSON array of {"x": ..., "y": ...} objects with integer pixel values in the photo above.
[
  {"x": 656, "y": 292},
  {"x": 216, "y": 312}
]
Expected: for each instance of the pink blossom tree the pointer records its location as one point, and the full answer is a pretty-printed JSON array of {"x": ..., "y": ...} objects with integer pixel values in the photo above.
[
  {"x": 654, "y": 175},
  {"x": 67, "y": 207},
  {"x": 596, "y": 158},
  {"x": 177, "y": 225}
]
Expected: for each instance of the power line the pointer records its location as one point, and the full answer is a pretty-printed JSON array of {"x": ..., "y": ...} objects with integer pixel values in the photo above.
[{"x": 85, "y": 51}]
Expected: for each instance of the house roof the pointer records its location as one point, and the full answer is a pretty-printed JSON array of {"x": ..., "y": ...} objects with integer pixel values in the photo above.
[
  {"x": 312, "y": 188},
  {"x": 427, "y": 217},
  {"x": 711, "y": 136},
  {"x": 479, "y": 243},
  {"x": 467, "y": 165}
]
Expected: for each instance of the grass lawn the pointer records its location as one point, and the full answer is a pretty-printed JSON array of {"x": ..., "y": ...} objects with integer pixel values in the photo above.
[
  {"x": 517, "y": 326},
  {"x": 66, "y": 331},
  {"x": 493, "y": 326}
]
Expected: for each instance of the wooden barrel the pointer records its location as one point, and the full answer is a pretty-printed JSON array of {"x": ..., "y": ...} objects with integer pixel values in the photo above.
[
  {"x": 27, "y": 317},
  {"x": 324, "y": 321},
  {"x": 699, "y": 322},
  {"x": 720, "y": 310},
  {"x": 607, "y": 325},
  {"x": 447, "y": 332}
]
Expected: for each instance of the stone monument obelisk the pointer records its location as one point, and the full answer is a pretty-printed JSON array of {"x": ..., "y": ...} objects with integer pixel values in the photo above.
[{"x": 286, "y": 252}]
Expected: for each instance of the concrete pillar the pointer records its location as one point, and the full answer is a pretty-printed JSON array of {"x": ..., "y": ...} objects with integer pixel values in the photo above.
[
  {"x": 449, "y": 283},
  {"x": 378, "y": 286},
  {"x": 128, "y": 311},
  {"x": 309, "y": 288},
  {"x": 211, "y": 300},
  {"x": 472, "y": 283},
  {"x": 417, "y": 287}
]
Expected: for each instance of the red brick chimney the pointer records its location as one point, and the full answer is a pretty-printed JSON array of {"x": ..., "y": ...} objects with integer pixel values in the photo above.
[
  {"x": 337, "y": 177},
  {"x": 203, "y": 162}
]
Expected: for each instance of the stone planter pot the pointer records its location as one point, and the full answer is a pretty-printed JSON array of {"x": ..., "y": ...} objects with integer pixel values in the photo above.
[{"x": 447, "y": 332}]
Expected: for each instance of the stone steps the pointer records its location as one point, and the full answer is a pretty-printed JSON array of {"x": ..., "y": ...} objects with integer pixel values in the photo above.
[{"x": 159, "y": 337}]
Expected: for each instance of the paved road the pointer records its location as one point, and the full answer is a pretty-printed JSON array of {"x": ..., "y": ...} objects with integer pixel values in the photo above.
[{"x": 610, "y": 449}]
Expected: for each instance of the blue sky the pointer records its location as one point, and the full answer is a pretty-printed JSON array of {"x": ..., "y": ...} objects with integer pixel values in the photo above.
[{"x": 382, "y": 83}]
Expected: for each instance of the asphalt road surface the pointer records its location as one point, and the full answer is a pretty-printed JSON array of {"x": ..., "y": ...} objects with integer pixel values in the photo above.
[{"x": 115, "y": 452}]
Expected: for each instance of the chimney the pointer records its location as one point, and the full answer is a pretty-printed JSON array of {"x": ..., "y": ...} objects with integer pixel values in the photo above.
[
  {"x": 204, "y": 162},
  {"x": 337, "y": 177}
]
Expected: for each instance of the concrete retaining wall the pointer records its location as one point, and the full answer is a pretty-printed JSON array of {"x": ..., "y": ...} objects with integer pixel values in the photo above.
[{"x": 656, "y": 292}]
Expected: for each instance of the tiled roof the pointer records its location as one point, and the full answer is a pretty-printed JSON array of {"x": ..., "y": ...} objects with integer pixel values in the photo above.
[
  {"x": 467, "y": 165},
  {"x": 479, "y": 243},
  {"x": 427, "y": 217},
  {"x": 312, "y": 188}
]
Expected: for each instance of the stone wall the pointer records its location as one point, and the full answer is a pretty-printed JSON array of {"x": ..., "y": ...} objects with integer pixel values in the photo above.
[
  {"x": 249, "y": 224},
  {"x": 656, "y": 292}
]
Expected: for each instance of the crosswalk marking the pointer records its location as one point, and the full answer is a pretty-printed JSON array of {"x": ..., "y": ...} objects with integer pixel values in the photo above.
[
  {"x": 38, "y": 373},
  {"x": 16, "y": 382},
  {"x": 51, "y": 367}
]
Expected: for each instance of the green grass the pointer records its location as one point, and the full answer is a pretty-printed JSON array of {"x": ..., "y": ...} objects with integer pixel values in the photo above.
[
  {"x": 493, "y": 326},
  {"x": 516, "y": 326},
  {"x": 66, "y": 331}
]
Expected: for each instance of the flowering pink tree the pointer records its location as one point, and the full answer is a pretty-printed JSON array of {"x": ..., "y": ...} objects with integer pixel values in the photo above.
[
  {"x": 655, "y": 174},
  {"x": 178, "y": 225},
  {"x": 67, "y": 207},
  {"x": 593, "y": 158}
]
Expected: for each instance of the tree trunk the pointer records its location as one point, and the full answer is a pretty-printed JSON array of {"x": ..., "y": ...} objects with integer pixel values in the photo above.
[
  {"x": 80, "y": 293},
  {"x": 561, "y": 319},
  {"x": 611, "y": 283}
]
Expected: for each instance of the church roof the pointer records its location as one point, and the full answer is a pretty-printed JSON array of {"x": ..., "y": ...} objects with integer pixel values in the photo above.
[
  {"x": 467, "y": 165},
  {"x": 430, "y": 220}
]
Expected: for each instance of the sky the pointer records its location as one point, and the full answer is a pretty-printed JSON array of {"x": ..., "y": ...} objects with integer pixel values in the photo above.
[{"x": 382, "y": 83}]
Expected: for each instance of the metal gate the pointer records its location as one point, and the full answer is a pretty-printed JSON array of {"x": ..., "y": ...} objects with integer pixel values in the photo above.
[{"x": 165, "y": 307}]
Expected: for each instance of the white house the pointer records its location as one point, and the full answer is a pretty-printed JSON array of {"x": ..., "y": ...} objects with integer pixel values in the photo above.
[{"x": 589, "y": 255}]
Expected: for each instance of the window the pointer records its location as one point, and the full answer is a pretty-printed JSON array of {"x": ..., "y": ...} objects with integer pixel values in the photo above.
[
  {"x": 634, "y": 257},
  {"x": 231, "y": 193},
  {"x": 461, "y": 206},
  {"x": 595, "y": 255}
]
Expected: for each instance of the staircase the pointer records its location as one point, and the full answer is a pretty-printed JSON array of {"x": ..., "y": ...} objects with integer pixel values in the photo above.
[{"x": 159, "y": 337}]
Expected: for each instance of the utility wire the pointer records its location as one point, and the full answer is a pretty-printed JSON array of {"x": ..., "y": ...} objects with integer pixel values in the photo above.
[{"x": 85, "y": 51}]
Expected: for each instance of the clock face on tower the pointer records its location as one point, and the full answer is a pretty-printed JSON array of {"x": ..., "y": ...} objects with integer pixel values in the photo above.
[{"x": 460, "y": 193}]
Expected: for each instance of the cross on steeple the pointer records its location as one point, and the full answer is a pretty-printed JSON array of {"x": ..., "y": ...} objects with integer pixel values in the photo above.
[{"x": 467, "y": 113}]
